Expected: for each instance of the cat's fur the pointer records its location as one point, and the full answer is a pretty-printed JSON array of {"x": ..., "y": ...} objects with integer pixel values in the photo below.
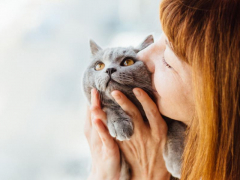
[{"x": 114, "y": 76}]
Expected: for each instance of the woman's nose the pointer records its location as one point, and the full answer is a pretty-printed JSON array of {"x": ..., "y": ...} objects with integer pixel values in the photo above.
[{"x": 150, "y": 54}]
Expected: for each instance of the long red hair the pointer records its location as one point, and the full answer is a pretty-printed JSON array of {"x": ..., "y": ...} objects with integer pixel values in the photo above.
[{"x": 206, "y": 35}]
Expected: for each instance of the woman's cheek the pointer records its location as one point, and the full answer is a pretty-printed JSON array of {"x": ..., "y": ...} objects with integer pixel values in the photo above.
[
  {"x": 167, "y": 94},
  {"x": 171, "y": 100}
]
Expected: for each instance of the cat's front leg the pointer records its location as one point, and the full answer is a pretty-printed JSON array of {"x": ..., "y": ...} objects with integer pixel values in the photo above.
[
  {"x": 119, "y": 124},
  {"x": 125, "y": 169},
  {"x": 174, "y": 148}
]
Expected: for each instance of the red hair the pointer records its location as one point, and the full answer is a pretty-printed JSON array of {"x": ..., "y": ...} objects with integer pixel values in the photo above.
[{"x": 206, "y": 35}]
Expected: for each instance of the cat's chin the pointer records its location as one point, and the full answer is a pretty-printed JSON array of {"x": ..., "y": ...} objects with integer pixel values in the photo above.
[{"x": 111, "y": 85}]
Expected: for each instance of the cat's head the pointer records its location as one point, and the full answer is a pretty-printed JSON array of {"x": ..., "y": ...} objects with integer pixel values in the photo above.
[{"x": 117, "y": 68}]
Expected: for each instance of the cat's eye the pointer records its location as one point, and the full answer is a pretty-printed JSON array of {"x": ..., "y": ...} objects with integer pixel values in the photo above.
[
  {"x": 99, "y": 66},
  {"x": 127, "y": 62}
]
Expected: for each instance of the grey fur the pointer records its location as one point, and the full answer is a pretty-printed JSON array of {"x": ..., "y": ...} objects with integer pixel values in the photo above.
[
  {"x": 173, "y": 150},
  {"x": 114, "y": 76}
]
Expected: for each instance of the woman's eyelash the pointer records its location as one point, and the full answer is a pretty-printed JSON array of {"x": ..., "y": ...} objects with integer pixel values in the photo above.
[{"x": 165, "y": 63}]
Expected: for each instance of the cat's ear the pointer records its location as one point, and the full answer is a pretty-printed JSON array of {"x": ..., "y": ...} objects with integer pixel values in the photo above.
[
  {"x": 148, "y": 40},
  {"x": 94, "y": 47}
]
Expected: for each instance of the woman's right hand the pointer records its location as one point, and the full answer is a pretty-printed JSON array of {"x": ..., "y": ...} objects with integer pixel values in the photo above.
[
  {"x": 104, "y": 149},
  {"x": 145, "y": 148}
]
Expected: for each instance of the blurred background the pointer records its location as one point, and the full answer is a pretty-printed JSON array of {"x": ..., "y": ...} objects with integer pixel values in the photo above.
[{"x": 44, "y": 49}]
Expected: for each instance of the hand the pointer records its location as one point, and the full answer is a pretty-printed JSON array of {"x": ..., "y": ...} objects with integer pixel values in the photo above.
[
  {"x": 104, "y": 149},
  {"x": 144, "y": 150}
]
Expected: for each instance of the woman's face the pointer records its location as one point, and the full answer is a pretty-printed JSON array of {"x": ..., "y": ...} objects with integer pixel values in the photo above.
[{"x": 172, "y": 80}]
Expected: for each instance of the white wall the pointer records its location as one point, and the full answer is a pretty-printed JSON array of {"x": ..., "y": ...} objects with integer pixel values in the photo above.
[{"x": 43, "y": 52}]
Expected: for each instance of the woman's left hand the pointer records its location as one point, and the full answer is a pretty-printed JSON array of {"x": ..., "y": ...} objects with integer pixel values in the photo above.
[
  {"x": 104, "y": 149},
  {"x": 144, "y": 150}
]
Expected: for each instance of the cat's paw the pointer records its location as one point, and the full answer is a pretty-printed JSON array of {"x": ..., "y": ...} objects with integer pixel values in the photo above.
[{"x": 121, "y": 129}]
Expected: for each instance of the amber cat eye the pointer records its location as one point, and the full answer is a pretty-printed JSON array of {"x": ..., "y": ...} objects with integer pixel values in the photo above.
[
  {"x": 99, "y": 66},
  {"x": 128, "y": 62}
]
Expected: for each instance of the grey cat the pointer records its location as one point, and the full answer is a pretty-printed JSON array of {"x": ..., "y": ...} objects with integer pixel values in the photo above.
[{"x": 119, "y": 69}]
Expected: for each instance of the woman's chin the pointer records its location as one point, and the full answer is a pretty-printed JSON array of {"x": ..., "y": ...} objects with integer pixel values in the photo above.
[{"x": 168, "y": 119}]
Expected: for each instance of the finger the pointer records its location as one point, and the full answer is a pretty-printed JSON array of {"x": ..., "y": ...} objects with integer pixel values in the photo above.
[
  {"x": 95, "y": 138},
  {"x": 156, "y": 121},
  {"x": 103, "y": 133},
  {"x": 88, "y": 123},
  {"x": 95, "y": 99},
  {"x": 129, "y": 108},
  {"x": 98, "y": 113}
]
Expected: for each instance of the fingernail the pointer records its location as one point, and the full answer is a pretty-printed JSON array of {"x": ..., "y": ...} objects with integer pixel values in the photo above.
[
  {"x": 136, "y": 92},
  {"x": 115, "y": 95}
]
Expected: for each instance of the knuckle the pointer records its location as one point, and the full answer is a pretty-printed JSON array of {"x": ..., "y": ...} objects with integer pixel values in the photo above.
[
  {"x": 93, "y": 108},
  {"x": 134, "y": 114},
  {"x": 152, "y": 113},
  {"x": 157, "y": 138},
  {"x": 160, "y": 135},
  {"x": 104, "y": 140},
  {"x": 99, "y": 114},
  {"x": 95, "y": 112}
]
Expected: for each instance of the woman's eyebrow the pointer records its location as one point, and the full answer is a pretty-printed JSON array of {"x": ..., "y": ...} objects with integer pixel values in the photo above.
[{"x": 170, "y": 46}]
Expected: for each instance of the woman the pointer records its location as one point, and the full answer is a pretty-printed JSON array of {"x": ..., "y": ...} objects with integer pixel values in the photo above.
[{"x": 196, "y": 75}]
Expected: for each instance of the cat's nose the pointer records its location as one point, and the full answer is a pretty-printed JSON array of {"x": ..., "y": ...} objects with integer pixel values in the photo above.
[{"x": 110, "y": 70}]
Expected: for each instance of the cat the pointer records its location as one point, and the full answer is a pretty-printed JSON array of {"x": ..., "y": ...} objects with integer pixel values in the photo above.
[{"x": 119, "y": 69}]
